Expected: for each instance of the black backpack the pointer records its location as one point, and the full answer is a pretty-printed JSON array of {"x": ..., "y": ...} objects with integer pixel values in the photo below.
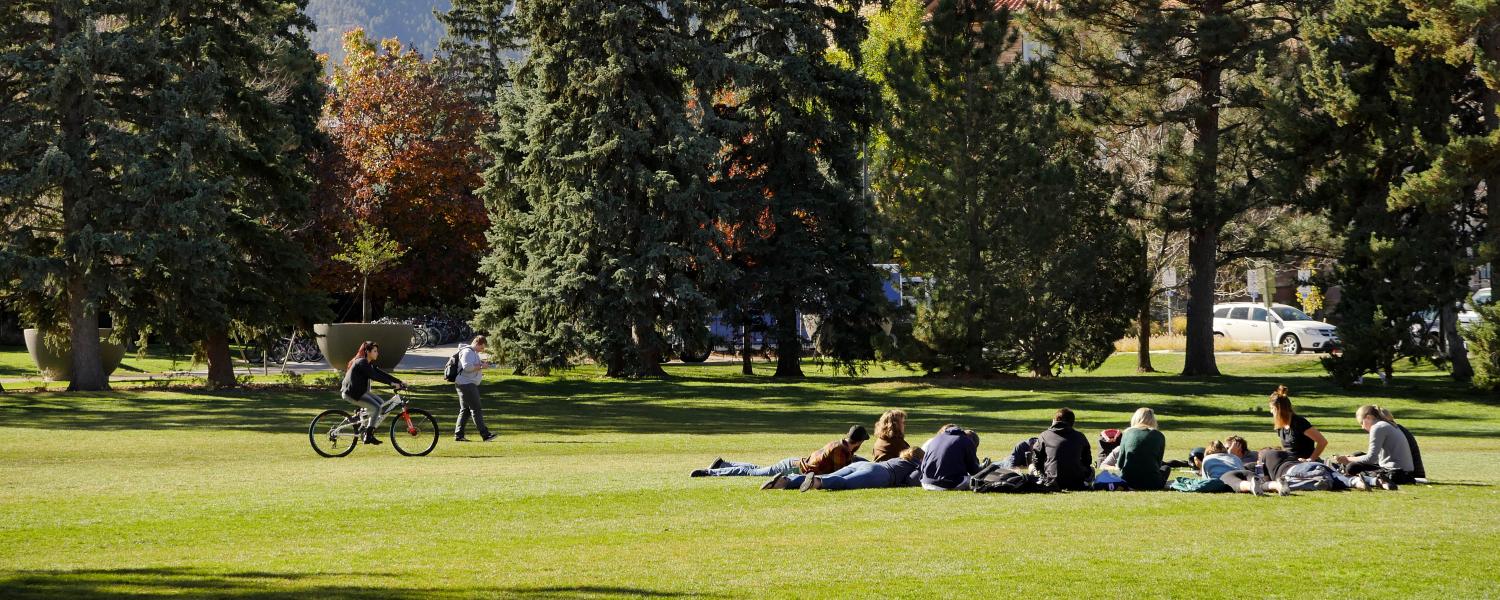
[
  {"x": 450, "y": 370},
  {"x": 1003, "y": 481}
]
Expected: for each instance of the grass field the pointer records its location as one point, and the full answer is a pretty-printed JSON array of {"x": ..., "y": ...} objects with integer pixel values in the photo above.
[{"x": 147, "y": 493}]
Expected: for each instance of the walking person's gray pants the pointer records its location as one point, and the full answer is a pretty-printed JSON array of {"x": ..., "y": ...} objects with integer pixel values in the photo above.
[{"x": 469, "y": 406}]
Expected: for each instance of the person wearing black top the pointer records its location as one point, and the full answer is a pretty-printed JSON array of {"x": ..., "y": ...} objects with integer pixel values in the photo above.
[
  {"x": 356, "y": 387},
  {"x": 1061, "y": 455},
  {"x": 1300, "y": 441},
  {"x": 1298, "y": 436}
]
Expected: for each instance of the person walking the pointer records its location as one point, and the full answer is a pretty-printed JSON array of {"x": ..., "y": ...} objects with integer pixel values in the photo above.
[{"x": 471, "y": 365}]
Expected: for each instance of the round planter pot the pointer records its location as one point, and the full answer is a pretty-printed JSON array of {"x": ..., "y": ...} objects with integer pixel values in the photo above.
[
  {"x": 340, "y": 341},
  {"x": 56, "y": 364}
]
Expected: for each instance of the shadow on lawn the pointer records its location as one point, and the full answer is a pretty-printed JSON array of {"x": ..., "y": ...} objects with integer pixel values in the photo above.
[
  {"x": 712, "y": 400},
  {"x": 194, "y": 583}
]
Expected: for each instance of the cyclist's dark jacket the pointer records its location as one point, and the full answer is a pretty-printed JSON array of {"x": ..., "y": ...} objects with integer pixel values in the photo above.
[{"x": 357, "y": 380}]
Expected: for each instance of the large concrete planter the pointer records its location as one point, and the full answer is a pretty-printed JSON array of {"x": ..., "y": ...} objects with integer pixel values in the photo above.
[
  {"x": 56, "y": 364},
  {"x": 340, "y": 341}
]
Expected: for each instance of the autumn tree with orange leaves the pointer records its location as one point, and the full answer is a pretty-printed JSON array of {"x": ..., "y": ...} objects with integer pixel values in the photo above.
[{"x": 404, "y": 158}]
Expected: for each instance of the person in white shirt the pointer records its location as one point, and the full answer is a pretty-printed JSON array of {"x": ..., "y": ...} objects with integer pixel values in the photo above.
[{"x": 471, "y": 367}]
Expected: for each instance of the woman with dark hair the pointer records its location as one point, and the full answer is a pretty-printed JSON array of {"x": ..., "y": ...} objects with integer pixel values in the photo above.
[{"x": 356, "y": 387}]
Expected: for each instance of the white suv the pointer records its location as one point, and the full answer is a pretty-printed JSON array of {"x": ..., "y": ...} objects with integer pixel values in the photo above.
[{"x": 1291, "y": 329}]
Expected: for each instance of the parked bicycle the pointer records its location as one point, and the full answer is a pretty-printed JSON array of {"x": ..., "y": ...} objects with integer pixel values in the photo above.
[{"x": 414, "y": 432}]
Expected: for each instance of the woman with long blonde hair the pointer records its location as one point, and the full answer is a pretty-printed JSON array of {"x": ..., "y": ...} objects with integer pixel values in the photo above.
[
  {"x": 1141, "y": 450},
  {"x": 890, "y": 435}
]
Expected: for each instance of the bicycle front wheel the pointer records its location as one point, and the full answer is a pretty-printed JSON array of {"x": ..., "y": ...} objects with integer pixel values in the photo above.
[
  {"x": 333, "y": 433},
  {"x": 418, "y": 438}
]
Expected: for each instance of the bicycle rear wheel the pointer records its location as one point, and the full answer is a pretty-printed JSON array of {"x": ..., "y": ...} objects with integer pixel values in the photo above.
[
  {"x": 417, "y": 440},
  {"x": 333, "y": 433}
]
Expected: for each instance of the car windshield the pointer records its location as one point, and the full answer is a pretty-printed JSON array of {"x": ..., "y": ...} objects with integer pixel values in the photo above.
[{"x": 1288, "y": 313}]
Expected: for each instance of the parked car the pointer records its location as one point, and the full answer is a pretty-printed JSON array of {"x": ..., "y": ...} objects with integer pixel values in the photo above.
[
  {"x": 1430, "y": 331},
  {"x": 1292, "y": 329}
]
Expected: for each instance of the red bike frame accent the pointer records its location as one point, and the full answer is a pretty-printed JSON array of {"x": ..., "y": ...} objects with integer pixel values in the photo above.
[{"x": 405, "y": 416}]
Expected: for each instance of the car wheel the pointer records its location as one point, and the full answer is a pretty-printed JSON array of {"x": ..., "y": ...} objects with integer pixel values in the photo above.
[{"x": 1290, "y": 344}]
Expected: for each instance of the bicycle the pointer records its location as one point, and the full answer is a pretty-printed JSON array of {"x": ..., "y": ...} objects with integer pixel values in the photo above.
[{"x": 414, "y": 432}]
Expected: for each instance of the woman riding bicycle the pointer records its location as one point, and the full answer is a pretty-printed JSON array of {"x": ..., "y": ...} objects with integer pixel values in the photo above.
[{"x": 356, "y": 387}]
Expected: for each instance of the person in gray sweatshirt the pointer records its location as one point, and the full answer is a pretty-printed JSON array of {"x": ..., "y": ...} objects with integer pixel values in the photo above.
[
  {"x": 1388, "y": 452},
  {"x": 470, "y": 372}
]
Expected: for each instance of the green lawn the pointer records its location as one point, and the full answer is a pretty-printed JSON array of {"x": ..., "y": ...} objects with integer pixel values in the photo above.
[
  {"x": 155, "y": 493},
  {"x": 15, "y": 363}
]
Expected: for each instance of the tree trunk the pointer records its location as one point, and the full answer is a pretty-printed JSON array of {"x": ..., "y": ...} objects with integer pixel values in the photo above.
[
  {"x": 788, "y": 345},
  {"x": 1458, "y": 355},
  {"x": 364, "y": 299},
  {"x": 649, "y": 350},
  {"x": 83, "y": 312},
  {"x": 1203, "y": 242},
  {"x": 83, "y": 340},
  {"x": 1202, "y": 257},
  {"x": 747, "y": 364},
  {"x": 220, "y": 366},
  {"x": 1143, "y": 352}
]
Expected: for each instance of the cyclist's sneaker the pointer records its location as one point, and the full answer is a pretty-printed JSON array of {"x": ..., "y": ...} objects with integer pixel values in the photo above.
[
  {"x": 492, "y": 437},
  {"x": 461, "y": 439},
  {"x": 371, "y": 440}
]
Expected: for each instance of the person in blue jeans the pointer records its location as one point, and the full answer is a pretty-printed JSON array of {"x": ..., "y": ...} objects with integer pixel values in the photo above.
[
  {"x": 892, "y": 472},
  {"x": 831, "y": 457}
]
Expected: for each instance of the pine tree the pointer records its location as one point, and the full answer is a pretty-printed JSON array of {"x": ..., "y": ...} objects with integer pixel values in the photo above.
[
  {"x": 1197, "y": 68},
  {"x": 480, "y": 44},
  {"x": 169, "y": 227},
  {"x": 790, "y": 118},
  {"x": 993, "y": 193},
  {"x": 1376, "y": 119},
  {"x": 597, "y": 195}
]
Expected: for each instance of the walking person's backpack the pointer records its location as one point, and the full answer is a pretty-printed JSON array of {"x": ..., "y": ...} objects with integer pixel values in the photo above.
[{"x": 451, "y": 370}]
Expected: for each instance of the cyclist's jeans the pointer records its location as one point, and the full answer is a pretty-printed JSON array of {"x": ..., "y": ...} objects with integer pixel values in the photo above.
[{"x": 371, "y": 403}]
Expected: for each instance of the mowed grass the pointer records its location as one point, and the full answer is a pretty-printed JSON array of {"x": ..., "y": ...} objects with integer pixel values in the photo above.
[
  {"x": 169, "y": 493},
  {"x": 16, "y": 363}
]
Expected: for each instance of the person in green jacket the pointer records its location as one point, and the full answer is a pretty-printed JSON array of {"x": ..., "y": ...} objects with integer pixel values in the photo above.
[{"x": 1141, "y": 450}]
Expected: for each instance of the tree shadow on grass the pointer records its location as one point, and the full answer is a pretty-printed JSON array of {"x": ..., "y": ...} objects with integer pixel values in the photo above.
[
  {"x": 708, "y": 401},
  {"x": 197, "y": 583}
]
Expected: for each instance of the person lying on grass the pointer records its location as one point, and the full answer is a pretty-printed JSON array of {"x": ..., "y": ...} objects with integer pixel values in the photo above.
[
  {"x": 892, "y": 472},
  {"x": 890, "y": 435},
  {"x": 1222, "y": 463},
  {"x": 832, "y": 457}
]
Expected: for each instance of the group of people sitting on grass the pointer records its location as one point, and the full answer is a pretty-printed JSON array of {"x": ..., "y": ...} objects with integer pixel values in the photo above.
[{"x": 1062, "y": 459}]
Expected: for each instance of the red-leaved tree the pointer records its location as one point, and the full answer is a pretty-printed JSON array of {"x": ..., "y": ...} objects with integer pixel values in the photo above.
[{"x": 404, "y": 157}]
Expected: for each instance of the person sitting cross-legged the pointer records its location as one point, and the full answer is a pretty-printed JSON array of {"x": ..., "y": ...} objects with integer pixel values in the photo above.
[
  {"x": 952, "y": 457},
  {"x": 831, "y": 457},
  {"x": 1061, "y": 456},
  {"x": 892, "y": 472}
]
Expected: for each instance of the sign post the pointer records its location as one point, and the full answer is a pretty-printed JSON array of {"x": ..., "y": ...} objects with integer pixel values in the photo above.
[
  {"x": 1261, "y": 283},
  {"x": 1169, "y": 281}
]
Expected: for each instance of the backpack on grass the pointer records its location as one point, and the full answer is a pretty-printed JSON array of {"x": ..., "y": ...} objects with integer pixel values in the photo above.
[
  {"x": 1004, "y": 481},
  {"x": 1309, "y": 476}
]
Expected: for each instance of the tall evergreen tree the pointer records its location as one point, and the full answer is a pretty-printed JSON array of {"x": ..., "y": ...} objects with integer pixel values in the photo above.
[
  {"x": 790, "y": 172},
  {"x": 480, "y": 44},
  {"x": 1196, "y": 68},
  {"x": 1377, "y": 118},
  {"x": 146, "y": 158},
  {"x": 994, "y": 193},
  {"x": 597, "y": 195}
]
